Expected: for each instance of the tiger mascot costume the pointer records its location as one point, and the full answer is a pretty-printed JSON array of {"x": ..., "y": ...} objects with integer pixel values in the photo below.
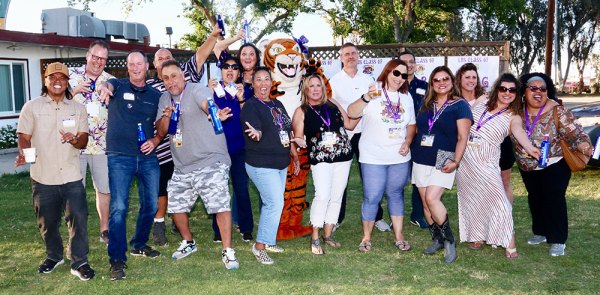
[{"x": 288, "y": 67}]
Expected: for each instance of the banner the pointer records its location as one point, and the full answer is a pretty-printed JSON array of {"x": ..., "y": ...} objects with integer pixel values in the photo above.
[
  {"x": 368, "y": 66},
  {"x": 488, "y": 67},
  {"x": 425, "y": 66}
]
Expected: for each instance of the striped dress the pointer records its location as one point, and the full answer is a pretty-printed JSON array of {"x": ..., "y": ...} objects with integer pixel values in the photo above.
[{"x": 485, "y": 214}]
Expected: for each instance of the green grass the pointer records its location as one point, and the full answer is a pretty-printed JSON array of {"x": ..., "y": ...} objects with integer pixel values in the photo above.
[{"x": 341, "y": 271}]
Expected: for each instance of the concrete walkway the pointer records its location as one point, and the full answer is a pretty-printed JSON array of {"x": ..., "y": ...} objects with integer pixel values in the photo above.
[{"x": 7, "y": 164}]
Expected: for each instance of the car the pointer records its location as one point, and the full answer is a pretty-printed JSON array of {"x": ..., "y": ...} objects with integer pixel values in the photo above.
[{"x": 588, "y": 115}]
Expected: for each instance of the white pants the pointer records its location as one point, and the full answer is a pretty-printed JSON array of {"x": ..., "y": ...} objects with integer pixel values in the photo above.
[{"x": 330, "y": 181}]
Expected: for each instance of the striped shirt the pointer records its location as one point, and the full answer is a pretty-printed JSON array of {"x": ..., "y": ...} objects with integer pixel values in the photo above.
[{"x": 192, "y": 74}]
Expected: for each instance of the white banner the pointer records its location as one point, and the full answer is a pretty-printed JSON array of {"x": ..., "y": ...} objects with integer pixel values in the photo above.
[
  {"x": 369, "y": 66},
  {"x": 488, "y": 67},
  {"x": 425, "y": 66}
]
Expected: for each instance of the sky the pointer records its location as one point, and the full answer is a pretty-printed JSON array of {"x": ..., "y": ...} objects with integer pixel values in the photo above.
[{"x": 25, "y": 16}]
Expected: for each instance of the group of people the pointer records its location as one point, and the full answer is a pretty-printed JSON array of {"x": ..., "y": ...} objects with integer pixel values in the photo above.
[{"x": 399, "y": 127}]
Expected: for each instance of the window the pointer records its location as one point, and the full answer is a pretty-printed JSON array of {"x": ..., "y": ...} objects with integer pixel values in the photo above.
[{"x": 13, "y": 86}]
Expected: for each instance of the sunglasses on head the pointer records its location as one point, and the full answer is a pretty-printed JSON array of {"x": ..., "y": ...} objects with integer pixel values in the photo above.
[
  {"x": 511, "y": 90},
  {"x": 536, "y": 89},
  {"x": 397, "y": 73},
  {"x": 234, "y": 67},
  {"x": 437, "y": 80}
]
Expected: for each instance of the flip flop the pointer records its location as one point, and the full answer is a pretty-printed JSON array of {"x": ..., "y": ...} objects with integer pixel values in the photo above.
[
  {"x": 475, "y": 245},
  {"x": 364, "y": 246},
  {"x": 511, "y": 253},
  {"x": 403, "y": 245}
]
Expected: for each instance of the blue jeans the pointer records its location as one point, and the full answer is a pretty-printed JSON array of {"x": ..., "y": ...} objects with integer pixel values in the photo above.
[
  {"x": 378, "y": 179},
  {"x": 121, "y": 169},
  {"x": 271, "y": 186}
]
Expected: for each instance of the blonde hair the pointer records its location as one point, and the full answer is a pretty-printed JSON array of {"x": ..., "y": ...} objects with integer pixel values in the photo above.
[{"x": 304, "y": 97}]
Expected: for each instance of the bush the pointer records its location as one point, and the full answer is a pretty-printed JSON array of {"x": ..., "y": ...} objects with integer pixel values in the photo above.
[{"x": 8, "y": 137}]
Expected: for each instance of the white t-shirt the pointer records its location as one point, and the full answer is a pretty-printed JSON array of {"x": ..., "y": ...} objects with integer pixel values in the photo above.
[
  {"x": 382, "y": 135},
  {"x": 347, "y": 90}
]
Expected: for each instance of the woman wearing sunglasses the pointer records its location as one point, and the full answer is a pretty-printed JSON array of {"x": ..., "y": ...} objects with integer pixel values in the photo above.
[
  {"x": 443, "y": 124},
  {"x": 231, "y": 95},
  {"x": 388, "y": 128},
  {"x": 547, "y": 186},
  {"x": 484, "y": 210}
]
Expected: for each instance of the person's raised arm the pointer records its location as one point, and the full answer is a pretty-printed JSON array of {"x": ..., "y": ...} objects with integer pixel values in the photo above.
[
  {"x": 516, "y": 129},
  {"x": 206, "y": 48},
  {"x": 356, "y": 108},
  {"x": 222, "y": 45},
  {"x": 349, "y": 124}
]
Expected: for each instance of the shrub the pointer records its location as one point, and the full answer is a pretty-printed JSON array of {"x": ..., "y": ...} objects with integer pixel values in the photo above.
[{"x": 8, "y": 137}]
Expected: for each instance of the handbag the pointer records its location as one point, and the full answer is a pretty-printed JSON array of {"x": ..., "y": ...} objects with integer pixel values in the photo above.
[
  {"x": 442, "y": 157},
  {"x": 574, "y": 158}
]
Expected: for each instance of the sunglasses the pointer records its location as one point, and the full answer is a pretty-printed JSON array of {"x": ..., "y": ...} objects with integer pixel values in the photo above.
[
  {"x": 444, "y": 79},
  {"x": 397, "y": 73},
  {"x": 511, "y": 90},
  {"x": 536, "y": 89},
  {"x": 234, "y": 67}
]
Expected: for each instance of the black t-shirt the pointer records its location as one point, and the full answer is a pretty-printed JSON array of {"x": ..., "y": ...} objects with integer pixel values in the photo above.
[
  {"x": 268, "y": 117},
  {"x": 315, "y": 119}
]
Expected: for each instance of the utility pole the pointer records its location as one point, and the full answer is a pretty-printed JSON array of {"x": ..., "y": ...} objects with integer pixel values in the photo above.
[{"x": 549, "y": 36}]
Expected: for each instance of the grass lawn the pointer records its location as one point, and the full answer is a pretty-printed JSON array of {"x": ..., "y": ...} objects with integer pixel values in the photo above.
[{"x": 341, "y": 271}]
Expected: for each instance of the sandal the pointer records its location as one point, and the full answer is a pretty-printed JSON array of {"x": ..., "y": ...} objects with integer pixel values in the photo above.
[
  {"x": 331, "y": 242},
  {"x": 475, "y": 245},
  {"x": 403, "y": 245},
  {"x": 364, "y": 246},
  {"x": 511, "y": 253},
  {"x": 315, "y": 246}
]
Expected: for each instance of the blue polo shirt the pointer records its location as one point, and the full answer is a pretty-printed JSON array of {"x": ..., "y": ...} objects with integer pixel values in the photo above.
[
  {"x": 129, "y": 106},
  {"x": 415, "y": 87}
]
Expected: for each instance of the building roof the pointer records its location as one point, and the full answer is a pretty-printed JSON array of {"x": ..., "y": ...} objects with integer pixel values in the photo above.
[{"x": 74, "y": 42}]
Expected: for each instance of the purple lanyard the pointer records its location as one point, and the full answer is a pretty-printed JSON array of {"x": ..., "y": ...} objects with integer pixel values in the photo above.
[
  {"x": 481, "y": 122},
  {"x": 395, "y": 111},
  {"x": 328, "y": 121},
  {"x": 529, "y": 128},
  {"x": 436, "y": 114},
  {"x": 279, "y": 115}
]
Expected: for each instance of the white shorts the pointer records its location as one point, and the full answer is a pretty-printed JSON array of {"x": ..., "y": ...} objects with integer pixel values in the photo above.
[
  {"x": 99, "y": 170},
  {"x": 424, "y": 176}
]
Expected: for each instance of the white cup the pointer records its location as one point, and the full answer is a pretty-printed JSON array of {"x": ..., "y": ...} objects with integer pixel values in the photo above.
[{"x": 29, "y": 155}]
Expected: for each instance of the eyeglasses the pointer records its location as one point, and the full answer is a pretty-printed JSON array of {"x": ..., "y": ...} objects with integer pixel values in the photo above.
[
  {"x": 234, "y": 67},
  {"x": 98, "y": 58},
  {"x": 511, "y": 90},
  {"x": 60, "y": 78},
  {"x": 536, "y": 89},
  {"x": 397, "y": 73},
  {"x": 444, "y": 79}
]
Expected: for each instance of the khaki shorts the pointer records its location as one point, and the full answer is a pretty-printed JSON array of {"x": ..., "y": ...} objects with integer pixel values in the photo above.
[
  {"x": 99, "y": 170},
  {"x": 210, "y": 183},
  {"x": 424, "y": 176}
]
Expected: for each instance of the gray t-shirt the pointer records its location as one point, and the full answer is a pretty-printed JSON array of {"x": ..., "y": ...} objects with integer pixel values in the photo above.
[{"x": 201, "y": 146}]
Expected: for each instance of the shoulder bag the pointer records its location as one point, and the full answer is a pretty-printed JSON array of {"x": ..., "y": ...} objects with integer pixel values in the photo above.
[{"x": 574, "y": 158}]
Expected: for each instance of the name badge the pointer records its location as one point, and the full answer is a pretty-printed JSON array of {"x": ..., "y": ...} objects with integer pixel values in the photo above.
[
  {"x": 178, "y": 138},
  {"x": 231, "y": 89},
  {"x": 427, "y": 140},
  {"x": 420, "y": 91},
  {"x": 394, "y": 133},
  {"x": 68, "y": 123},
  {"x": 128, "y": 96},
  {"x": 328, "y": 138},
  {"x": 474, "y": 140},
  {"x": 93, "y": 109},
  {"x": 284, "y": 138}
]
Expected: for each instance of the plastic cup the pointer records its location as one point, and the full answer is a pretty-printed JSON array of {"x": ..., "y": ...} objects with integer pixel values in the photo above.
[
  {"x": 29, "y": 155},
  {"x": 378, "y": 89}
]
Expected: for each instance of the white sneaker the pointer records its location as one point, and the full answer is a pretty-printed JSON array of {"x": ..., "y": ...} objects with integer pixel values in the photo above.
[
  {"x": 261, "y": 256},
  {"x": 184, "y": 250},
  {"x": 228, "y": 257},
  {"x": 536, "y": 240},
  {"x": 381, "y": 225},
  {"x": 274, "y": 248},
  {"x": 557, "y": 249}
]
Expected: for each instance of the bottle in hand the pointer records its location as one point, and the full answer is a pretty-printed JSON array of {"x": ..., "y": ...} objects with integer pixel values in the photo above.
[
  {"x": 141, "y": 135},
  {"x": 214, "y": 116},
  {"x": 544, "y": 150},
  {"x": 174, "y": 119}
]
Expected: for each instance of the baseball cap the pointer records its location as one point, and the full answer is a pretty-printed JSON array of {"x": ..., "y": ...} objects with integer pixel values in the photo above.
[{"x": 56, "y": 67}]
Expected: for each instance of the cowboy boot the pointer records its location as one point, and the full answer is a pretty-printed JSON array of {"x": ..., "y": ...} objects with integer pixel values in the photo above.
[
  {"x": 449, "y": 243},
  {"x": 436, "y": 239}
]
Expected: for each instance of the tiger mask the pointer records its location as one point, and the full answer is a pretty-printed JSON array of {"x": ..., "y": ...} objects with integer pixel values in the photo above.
[{"x": 284, "y": 58}]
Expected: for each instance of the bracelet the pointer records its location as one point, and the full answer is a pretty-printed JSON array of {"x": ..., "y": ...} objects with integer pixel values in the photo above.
[{"x": 363, "y": 99}]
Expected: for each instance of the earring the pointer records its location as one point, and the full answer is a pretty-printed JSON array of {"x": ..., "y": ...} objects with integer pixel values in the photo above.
[{"x": 523, "y": 99}]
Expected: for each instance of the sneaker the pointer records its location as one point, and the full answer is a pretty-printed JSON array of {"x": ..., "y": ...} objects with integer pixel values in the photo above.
[
  {"x": 158, "y": 233},
  {"x": 228, "y": 257},
  {"x": 421, "y": 222},
  {"x": 117, "y": 270},
  {"x": 381, "y": 225},
  {"x": 247, "y": 237},
  {"x": 104, "y": 237},
  {"x": 261, "y": 255},
  {"x": 185, "y": 249},
  {"x": 536, "y": 240},
  {"x": 84, "y": 272},
  {"x": 49, "y": 265},
  {"x": 557, "y": 249},
  {"x": 217, "y": 239},
  {"x": 146, "y": 251},
  {"x": 274, "y": 248}
]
